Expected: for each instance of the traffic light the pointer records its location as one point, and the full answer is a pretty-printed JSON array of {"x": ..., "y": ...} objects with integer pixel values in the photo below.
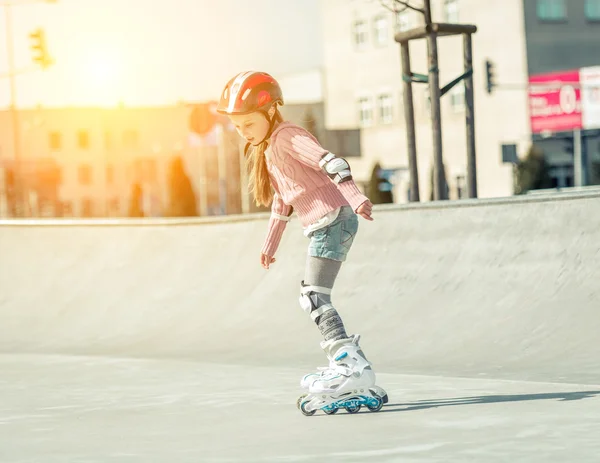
[
  {"x": 490, "y": 78},
  {"x": 40, "y": 49}
]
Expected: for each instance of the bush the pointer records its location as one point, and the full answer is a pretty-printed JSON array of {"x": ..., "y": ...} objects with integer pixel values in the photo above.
[{"x": 533, "y": 172}]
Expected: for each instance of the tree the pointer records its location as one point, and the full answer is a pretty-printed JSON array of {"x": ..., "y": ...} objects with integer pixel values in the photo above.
[
  {"x": 398, "y": 6},
  {"x": 445, "y": 182},
  {"x": 182, "y": 199},
  {"x": 379, "y": 188},
  {"x": 533, "y": 172}
]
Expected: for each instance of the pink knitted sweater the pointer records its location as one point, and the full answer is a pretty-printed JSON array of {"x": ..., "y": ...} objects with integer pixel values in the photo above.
[{"x": 293, "y": 159}]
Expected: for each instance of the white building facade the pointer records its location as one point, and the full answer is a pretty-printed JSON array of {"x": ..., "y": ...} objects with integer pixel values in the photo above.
[{"x": 363, "y": 88}]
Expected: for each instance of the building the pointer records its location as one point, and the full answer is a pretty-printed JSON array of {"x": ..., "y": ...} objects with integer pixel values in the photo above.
[
  {"x": 84, "y": 162},
  {"x": 521, "y": 38},
  {"x": 92, "y": 162}
]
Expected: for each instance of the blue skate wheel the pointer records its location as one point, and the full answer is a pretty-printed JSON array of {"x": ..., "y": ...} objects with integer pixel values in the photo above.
[
  {"x": 373, "y": 407},
  {"x": 352, "y": 408},
  {"x": 330, "y": 411},
  {"x": 377, "y": 391}
]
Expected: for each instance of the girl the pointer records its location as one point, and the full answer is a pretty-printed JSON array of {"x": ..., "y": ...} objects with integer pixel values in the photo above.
[{"x": 318, "y": 186}]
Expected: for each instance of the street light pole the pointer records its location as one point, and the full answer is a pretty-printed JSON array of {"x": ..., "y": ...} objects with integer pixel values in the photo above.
[
  {"x": 10, "y": 53},
  {"x": 13, "y": 109}
]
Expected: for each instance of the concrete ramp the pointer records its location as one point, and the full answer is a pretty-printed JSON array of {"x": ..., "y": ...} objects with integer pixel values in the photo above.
[{"x": 504, "y": 289}]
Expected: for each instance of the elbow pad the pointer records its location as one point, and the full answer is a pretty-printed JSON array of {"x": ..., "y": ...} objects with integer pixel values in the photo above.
[{"x": 337, "y": 169}]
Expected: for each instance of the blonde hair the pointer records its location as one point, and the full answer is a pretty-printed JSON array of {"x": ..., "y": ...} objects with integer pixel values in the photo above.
[{"x": 260, "y": 183}]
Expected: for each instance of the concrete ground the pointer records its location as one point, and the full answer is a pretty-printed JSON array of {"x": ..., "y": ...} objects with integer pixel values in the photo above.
[{"x": 166, "y": 342}]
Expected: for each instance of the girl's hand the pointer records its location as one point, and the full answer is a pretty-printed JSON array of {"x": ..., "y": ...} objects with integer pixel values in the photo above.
[
  {"x": 365, "y": 210},
  {"x": 265, "y": 261}
]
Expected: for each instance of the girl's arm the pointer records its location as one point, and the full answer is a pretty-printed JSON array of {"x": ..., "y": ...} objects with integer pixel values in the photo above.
[
  {"x": 299, "y": 144},
  {"x": 280, "y": 216}
]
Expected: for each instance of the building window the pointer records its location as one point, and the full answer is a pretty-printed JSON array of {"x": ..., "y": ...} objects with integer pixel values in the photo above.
[
  {"x": 85, "y": 174},
  {"x": 403, "y": 21},
  {"x": 130, "y": 139},
  {"x": 55, "y": 140},
  {"x": 83, "y": 139},
  {"x": 457, "y": 98},
  {"x": 385, "y": 108},
  {"x": 592, "y": 10},
  {"x": 359, "y": 32},
  {"x": 451, "y": 11},
  {"x": 380, "y": 27},
  {"x": 562, "y": 176},
  {"x": 365, "y": 111},
  {"x": 551, "y": 10}
]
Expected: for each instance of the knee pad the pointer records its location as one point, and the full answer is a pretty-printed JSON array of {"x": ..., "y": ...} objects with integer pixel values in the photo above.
[
  {"x": 336, "y": 168},
  {"x": 309, "y": 300}
]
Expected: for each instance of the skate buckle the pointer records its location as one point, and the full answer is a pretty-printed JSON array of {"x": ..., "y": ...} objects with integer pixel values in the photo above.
[{"x": 340, "y": 357}]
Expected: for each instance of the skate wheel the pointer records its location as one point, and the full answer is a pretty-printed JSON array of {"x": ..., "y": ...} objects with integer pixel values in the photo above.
[
  {"x": 377, "y": 391},
  {"x": 300, "y": 399},
  {"x": 376, "y": 408},
  {"x": 331, "y": 411},
  {"x": 304, "y": 411},
  {"x": 351, "y": 409}
]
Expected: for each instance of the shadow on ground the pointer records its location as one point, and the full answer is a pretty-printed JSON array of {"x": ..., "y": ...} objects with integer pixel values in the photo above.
[{"x": 484, "y": 399}]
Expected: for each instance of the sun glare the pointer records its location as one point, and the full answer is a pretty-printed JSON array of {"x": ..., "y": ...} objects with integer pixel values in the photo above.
[{"x": 103, "y": 75}]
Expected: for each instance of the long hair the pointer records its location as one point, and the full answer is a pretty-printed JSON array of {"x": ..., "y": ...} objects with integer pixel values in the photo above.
[{"x": 260, "y": 183}]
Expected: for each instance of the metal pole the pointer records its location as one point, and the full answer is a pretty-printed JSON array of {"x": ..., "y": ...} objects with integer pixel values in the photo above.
[
  {"x": 20, "y": 209},
  {"x": 439, "y": 187},
  {"x": 578, "y": 166},
  {"x": 222, "y": 166},
  {"x": 244, "y": 181},
  {"x": 409, "y": 116},
  {"x": 203, "y": 180},
  {"x": 470, "y": 119}
]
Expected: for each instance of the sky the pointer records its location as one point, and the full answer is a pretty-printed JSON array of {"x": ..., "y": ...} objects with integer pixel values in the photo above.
[{"x": 156, "y": 52}]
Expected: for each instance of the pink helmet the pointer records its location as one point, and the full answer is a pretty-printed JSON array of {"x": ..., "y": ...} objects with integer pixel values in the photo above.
[{"x": 248, "y": 92}]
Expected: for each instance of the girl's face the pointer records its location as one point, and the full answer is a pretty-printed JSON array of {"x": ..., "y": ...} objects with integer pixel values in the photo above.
[{"x": 253, "y": 127}]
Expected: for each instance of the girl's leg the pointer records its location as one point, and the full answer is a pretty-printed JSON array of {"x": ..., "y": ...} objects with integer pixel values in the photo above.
[{"x": 319, "y": 278}]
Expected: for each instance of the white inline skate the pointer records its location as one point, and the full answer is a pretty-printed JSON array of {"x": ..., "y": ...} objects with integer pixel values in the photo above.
[{"x": 348, "y": 382}]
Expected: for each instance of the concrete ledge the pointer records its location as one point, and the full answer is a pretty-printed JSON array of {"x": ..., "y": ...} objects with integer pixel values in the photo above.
[{"x": 262, "y": 216}]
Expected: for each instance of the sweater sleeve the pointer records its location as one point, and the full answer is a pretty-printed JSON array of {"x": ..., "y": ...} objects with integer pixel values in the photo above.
[
  {"x": 299, "y": 144},
  {"x": 280, "y": 216}
]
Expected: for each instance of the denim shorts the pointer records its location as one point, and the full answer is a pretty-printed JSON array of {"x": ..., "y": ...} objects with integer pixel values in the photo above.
[{"x": 335, "y": 240}]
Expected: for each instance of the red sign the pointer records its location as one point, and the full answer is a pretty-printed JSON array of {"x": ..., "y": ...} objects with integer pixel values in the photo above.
[
  {"x": 555, "y": 102},
  {"x": 203, "y": 118}
]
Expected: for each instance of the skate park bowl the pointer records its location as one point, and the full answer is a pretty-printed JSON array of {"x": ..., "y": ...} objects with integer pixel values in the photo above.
[{"x": 141, "y": 340}]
